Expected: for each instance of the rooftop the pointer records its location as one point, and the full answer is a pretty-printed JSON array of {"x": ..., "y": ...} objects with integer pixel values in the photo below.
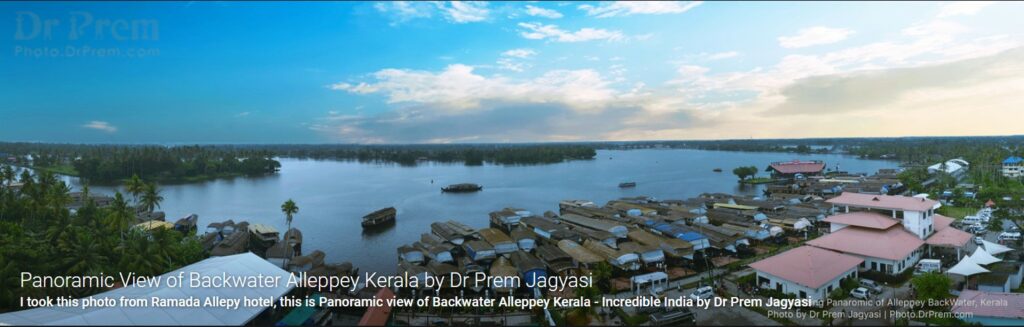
[
  {"x": 981, "y": 304},
  {"x": 883, "y": 201},
  {"x": 871, "y": 220},
  {"x": 894, "y": 243},
  {"x": 1013, "y": 160},
  {"x": 950, "y": 237},
  {"x": 798, "y": 167},
  {"x": 808, "y": 265}
]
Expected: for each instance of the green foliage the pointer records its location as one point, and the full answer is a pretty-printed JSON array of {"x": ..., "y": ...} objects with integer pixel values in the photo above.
[
  {"x": 931, "y": 286},
  {"x": 38, "y": 234},
  {"x": 745, "y": 172}
]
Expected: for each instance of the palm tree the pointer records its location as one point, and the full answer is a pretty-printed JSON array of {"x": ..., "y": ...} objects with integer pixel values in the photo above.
[
  {"x": 135, "y": 186},
  {"x": 290, "y": 209},
  {"x": 121, "y": 216},
  {"x": 151, "y": 197},
  {"x": 7, "y": 175}
]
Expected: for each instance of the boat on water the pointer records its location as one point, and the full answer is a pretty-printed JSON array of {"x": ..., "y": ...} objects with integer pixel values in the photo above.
[
  {"x": 531, "y": 268},
  {"x": 479, "y": 251},
  {"x": 293, "y": 237},
  {"x": 627, "y": 184},
  {"x": 501, "y": 242},
  {"x": 505, "y": 276},
  {"x": 410, "y": 254},
  {"x": 525, "y": 239},
  {"x": 438, "y": 253},
  {"x": 452, "y": 231},
  {"x": 380, "y": 217},
  {"x": 233, "y": 243},
  {"x": 187, "y": 224},
  {"x": 557, "y": 260},
  {"x": 420, "y": 272},
  {"x": 462, "y": 188},
  {"x": 717, "y": 170},
  {"x": 263, "y": 236},
  {"x": 470, "y": 268},
  {"x": 508, "y": 218}
]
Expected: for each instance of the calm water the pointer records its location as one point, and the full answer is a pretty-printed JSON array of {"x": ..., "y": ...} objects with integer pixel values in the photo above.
[{"x": 333, "y": 196}]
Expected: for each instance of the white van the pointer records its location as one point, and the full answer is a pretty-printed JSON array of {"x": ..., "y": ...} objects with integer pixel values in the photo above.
[
  {"x": 928, "y": 265},
  {"x": 970, "y": 220},
  {"x": 1008, "y": 236}
]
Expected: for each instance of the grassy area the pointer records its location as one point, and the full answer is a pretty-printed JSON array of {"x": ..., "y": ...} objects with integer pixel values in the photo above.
[
  {"x": 957, "y": 212},
  {"x": 758, "y": 180},
  {"x": 61, "y": 169}
]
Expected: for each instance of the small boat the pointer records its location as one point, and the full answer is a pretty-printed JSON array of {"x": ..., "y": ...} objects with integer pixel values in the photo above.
[
  {"x": 462, "y": 188},
  {"x": 717, "y": 170},
  {"x": 380, "y": 217},
  {"x": 627, "y": 184},
  {"x": 187, "y": 224}
]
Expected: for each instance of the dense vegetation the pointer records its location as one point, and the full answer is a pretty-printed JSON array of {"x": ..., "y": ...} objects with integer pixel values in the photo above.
[
  {"x": 470, "y": 154},
  {"x": 113, "y": 163},
  {"x": 38, "y": 234}
]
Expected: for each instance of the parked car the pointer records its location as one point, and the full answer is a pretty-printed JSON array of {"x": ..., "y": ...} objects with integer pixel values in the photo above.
[
  {"x": 860, "y": 293},
  {"x": 1008, "y": 236},
  {"x": 871, "y": 285},
  {"x": 978, "y": 240},
  {"x": 703, "y": 292},
  {"x": 673, "y": 317}
]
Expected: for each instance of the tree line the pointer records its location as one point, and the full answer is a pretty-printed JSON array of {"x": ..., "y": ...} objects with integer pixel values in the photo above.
[{"x": 40, "y": 235}]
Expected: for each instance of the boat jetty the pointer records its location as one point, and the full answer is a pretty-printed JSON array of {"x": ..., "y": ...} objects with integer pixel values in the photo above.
[{"x": 462, "y": 188}]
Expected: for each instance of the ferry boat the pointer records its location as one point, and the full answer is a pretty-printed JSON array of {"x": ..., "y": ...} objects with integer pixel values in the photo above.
[{"x": 380, "y": 217}]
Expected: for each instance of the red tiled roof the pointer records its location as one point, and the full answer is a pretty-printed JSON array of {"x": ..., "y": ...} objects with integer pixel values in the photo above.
[
  {"x": 940, "y": 222},
  {"x": 871, "y": 220},
  {"x": 894, "y": 243},
  {"x": 378, "y": 316},
  {"x": 883, "y": 201},
  {"x": 808, "y": 265},
  {"x": 798, "y": 167},
  {"x": 990, "y": 304},
  {"x": 949, "y": 237}
]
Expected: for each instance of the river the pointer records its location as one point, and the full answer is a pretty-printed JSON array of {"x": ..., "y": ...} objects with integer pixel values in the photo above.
[{"x": 334, "y": 195}]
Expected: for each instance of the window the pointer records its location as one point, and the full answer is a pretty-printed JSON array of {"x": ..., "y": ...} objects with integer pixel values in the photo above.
[
  {"x": 803, "y": 295},
  {"x": 899, "y": 214}
]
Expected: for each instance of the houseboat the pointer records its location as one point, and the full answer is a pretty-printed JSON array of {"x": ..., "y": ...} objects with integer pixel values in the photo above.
[
  {"x": 627, "y": 261},
  {"x": 557, "y": 260},
  {"x": 279, "y": 253},
  {"x": 524, "y": 238},
  {"x": 234, "y": 243},
  {"x": 580, "y": 254},
  {"x": 598, "y": 235},
  {"x": 443, "y": 269},
  {"x": 410, "y": 254},
  {"x": 421, "y": 273},
  {"x": 616, "y": 229},
  {"x": 504, "y": 274},
  {"x": 293, "y": 237},
  {"x": 673, "y": 247},
  {"x": 649, "y": 255},
  {"x": 627, "y": 184},
  {"x": 379, "y": 218},
  {"x": 507, "y": 218},
  {"x": 531, "y": 268},
  {"x": 445, "y": 231},
  {"x": 549, "y": 229},
  {"x": 263, "y": 236},
  {"x": 499, "y": 240},
  {"x": 462, "y": 188},
  {"x": 479, "y": 251},
  {"x": 439, "y": 253},
  {"x": 470, "y": 268},
  {"x": 187, "y": 224}
]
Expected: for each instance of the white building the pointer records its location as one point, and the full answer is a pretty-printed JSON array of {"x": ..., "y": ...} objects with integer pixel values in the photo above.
[
  {"x": 1013, "y": 167},
  {"x": 806, "y": 271},
  {"x": 955, "y": 167}
]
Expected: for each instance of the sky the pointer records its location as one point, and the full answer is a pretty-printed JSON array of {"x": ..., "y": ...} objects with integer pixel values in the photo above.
[{"x": 477, "y": 72}]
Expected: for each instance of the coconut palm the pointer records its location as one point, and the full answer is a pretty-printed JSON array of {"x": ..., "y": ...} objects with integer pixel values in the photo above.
[
  {"x": 120, "y": 217},
  {"x": 290, "y": 209},
  {"x": 135, "y": 186},
  {"x": 7, "y": 175},
  {"x": 151, "y": 197}
]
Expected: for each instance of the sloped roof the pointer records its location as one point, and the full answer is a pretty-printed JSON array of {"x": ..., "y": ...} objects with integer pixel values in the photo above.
[
  {"x": 951, "y": 237},
  {"x": 966, "y": 267},
  {"x": 871, "y": 220},
  {"x": 980, "y": 304},
  {"x": 994, "y": 249},
  {"x": 940, "y": 222},
  {"x": 239, "y": 265},
  {"x": 1013, "y": 160},
  {"x": 883, "y": 201},
  {"x": 808, "y": 265},
  {"x": 894, "y": 243},
  {"x": 798, "y": 167},
  {"x": 983, "y": 258}
]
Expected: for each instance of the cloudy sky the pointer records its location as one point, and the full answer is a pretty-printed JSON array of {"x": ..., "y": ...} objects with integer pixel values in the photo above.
[{"x": 449, "y": 72}]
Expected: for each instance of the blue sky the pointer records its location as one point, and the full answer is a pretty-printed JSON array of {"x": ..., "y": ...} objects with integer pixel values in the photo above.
[{"x": 442, "y": 72}]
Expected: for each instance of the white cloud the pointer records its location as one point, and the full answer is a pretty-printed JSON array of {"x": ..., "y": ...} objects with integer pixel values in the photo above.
[
  {"x": 101, "y": 126},
  {"x": 817, "y": 35},
  {"x": 723, "y": 55},
  {"x": 965, "y": 8},
  {"x": 538, "y": 31},
  {"x": 454, "y": 11},
  {"x": 626, "y": 8},
  {"x": 522, "y": 53},
  {"x": 542, "y": 12},
  {"x": 459, "y": 88},
  {"x": 464, "y": 11}
]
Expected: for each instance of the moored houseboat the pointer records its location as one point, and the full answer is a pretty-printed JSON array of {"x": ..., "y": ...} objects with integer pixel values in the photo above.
[
  {"x": 410, "y": 254},
  {"x": 263, "y": 236},
  {"x": 445, "y": 231},
  {"x": 612, "y": 227},
  {"x": 524, "y": 238},
  {"x": 557, "y": 260},
  {"x": 293, "y": 237},
  {"x": 673, "y": 247},
  {"x": 580, "y": 254},
  {"x": 504, "y": 274},
  {"x": 649, "y": 255},
  {"x": 187, "y": 224},
  {"x": 499, "y": 240},
  {"x": 627, "y": 261},
  {"x": 380, "y": 218},
  {"x": 531, "y": 268},
  {"x": 467, "y": 267},
  {"x": 507, "y": 218},
  {"x": 627, "y": 184},
  {"x": 462, "y": 188},
  {"x": 549, "y": 229},
  {"x": 479, "y": 251},
  {"x": 598, "y": 235}
]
